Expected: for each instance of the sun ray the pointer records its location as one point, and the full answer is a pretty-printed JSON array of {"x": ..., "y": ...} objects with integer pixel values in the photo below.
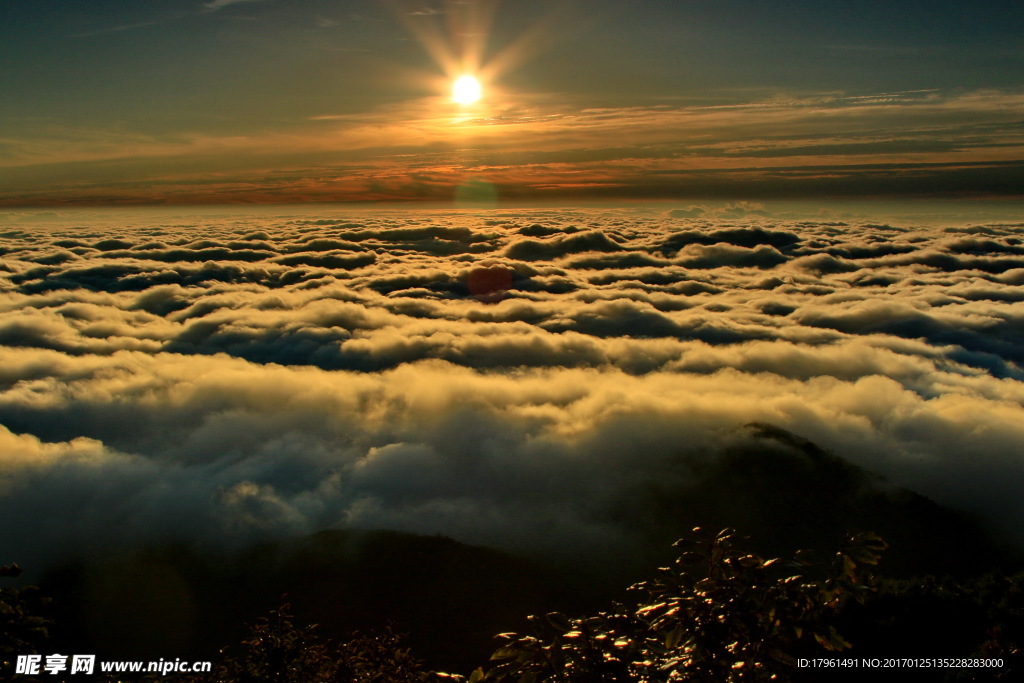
[{"x": 456, "y": 34}]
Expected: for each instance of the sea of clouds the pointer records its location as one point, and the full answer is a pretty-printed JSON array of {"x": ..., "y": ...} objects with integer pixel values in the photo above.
[{"x": 503, "y": 377}]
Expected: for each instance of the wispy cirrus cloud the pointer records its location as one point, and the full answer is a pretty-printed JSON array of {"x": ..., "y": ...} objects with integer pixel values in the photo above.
[
  {"x": 538, "y": 145},
  {"x": 220, "y": 4}
]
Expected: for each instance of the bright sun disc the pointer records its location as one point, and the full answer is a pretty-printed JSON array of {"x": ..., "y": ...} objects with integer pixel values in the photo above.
[{"x": 466, "y": 90}]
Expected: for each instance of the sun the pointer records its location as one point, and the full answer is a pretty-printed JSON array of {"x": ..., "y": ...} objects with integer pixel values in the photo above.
[{"x": 466, "y": 90}]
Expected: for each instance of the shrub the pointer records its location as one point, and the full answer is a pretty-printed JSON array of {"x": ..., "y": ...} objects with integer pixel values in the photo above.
[
  {"x": 718, "y": 614},
  {"x": 23, "y": 628},
  {"x": 279, "y": 651}
]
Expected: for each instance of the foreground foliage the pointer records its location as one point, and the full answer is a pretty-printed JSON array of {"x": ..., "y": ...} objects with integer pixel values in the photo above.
[
  {"x": 23, "y": 628},
  {"x": 718, "y": 614},
  {"x": 278, "y": 651}
]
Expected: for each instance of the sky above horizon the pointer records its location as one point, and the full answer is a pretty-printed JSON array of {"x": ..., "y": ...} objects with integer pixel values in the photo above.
[{"x": 200, "y": 101}]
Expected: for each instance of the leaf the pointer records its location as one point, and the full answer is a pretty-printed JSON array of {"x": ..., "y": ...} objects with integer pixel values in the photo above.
[
  {"x": 10, "y": 570},
  {"x": 674, "y": 637},
  {"x": 838, "y": 642},
  {"x": 832, "y": 640},
  {"x": 559, "y": 621},
  {"x": 780, "y": 656},
  {"x": 805, "y": 557},
  {"x": 750, "y": 561},
  {"x": 865, "y": 545},
  {"x": 507, "y": 652}
]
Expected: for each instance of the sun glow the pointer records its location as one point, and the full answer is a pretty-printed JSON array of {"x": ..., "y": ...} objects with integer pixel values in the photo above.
[
  {"x": 455, "y": 35},
  {"x": 466, "y": 90}
]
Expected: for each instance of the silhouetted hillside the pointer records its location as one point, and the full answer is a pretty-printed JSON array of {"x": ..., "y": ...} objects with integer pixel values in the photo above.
[
  {"x": 788, "y": 493},
  {"x": 176, "y": 601}
]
